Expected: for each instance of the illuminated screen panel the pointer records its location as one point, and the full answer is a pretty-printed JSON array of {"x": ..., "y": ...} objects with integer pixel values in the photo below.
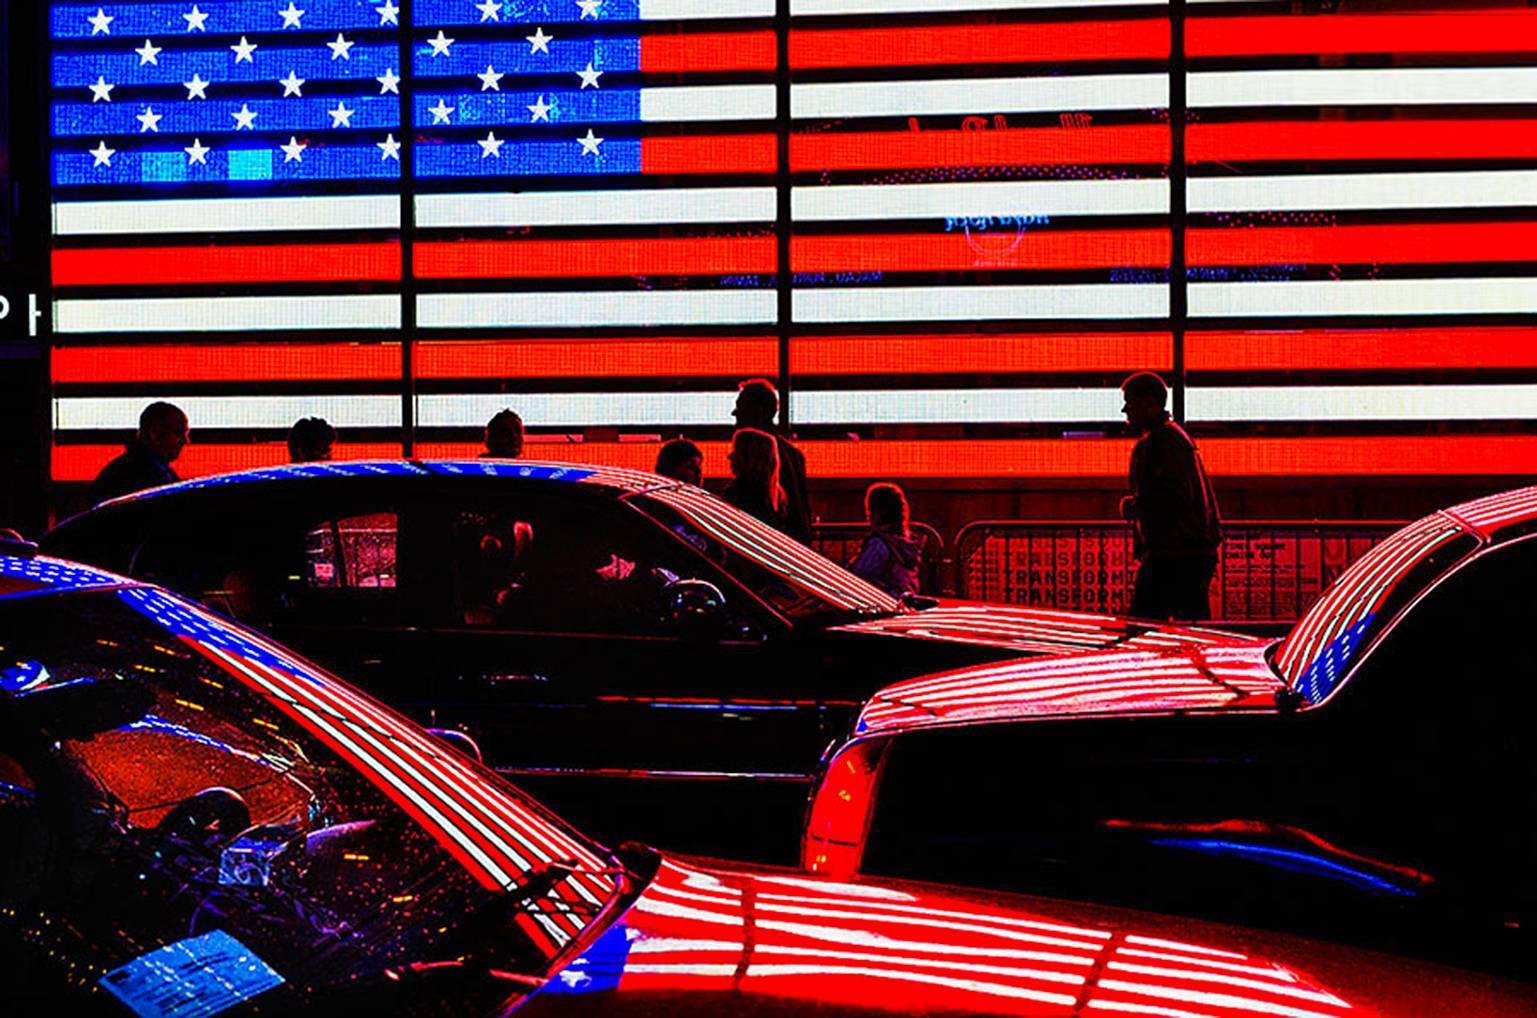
[
  {"x": 226, "y": 225},
  {"x": 1361, "y": 197}
]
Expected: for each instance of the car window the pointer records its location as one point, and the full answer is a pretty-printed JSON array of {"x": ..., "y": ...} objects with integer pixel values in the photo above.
[{"x": 352, "y": 553}]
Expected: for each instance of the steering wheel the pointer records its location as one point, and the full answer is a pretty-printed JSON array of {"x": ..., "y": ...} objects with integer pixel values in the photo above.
[{"x": 206, "y": 818}]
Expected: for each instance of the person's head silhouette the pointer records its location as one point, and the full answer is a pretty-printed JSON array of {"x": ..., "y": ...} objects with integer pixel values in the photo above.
[
  {"x": 681, "y": 460},
  {"x": 757, "y": 403},
  {"x": 163, "y": 431},
  {"x": 1145, "y": 399},
  {"x": 504, "y": 435},
  {"x": 310, "y": 440}
]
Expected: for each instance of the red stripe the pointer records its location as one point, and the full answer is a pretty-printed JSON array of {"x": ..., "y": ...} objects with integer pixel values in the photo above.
[
  {"x": 738, "y": 153},
  {"x": 232, "y": 362},
  {"x": 707, "y": 51},
  {"x": 668, "y": 256},
  {"x": 1415, "y": 243},
  {"x": 678, "y": 356},
  {"x": 980, "y": 44},
  {"x": 963, "y": 252},
  {"x": 1036, "y": 146},
  {"x": 982, "y": 353},
  {"x": 1361, "y": 349},
  {"x": 270, "y": 263},
  {"x": 1356, "y": 139},
  {"x": 1425, "y": 32},
  {"x": 84, "y": 462}
]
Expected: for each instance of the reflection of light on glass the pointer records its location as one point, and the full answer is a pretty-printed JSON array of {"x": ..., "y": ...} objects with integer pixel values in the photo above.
[{"x": 840, "y": 812}]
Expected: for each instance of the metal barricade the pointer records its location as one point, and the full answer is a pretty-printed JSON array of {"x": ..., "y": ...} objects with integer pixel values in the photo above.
[{"x": 840, "y": 542}]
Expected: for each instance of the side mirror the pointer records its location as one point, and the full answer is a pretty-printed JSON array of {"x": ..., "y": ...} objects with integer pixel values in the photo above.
[
  {"x": 458, "y": 740},
  {"x": 695, "y": 609}
]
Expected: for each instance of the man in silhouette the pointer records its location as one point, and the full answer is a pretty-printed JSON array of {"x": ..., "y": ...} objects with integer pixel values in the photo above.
[
  {"x": 757, "y": 403},
  {"x": 504, "y": 436},
  {"x": 310, "y": 440},
  {"x": 1172, "y": 509},
  {"x": 681, "y": 460},
  {"x": 147, "y": 458}
]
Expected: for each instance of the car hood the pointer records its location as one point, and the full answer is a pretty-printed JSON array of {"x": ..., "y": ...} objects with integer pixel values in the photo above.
[
  {"x": 1216, "y": 676},
  {"x": 707, "y": 941},
  {"x": 1035, "y": 630}
]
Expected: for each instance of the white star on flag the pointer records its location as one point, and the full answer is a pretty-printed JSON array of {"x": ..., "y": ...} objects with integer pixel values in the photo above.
[
  {"x": 197, "y": 152},
  {"x": 293, "y": 152},
  {"x": 195, "y": 20},
  {"x": 490, "y": 10},
  {"x": 99, "y": 22},
  {"x": 490, "y": 145},
  {"x": 340, "y": 47},
  {"x": 243, "y": 50},
  {"x": 540, "y": 110},
  {"x": 341, "y": 116},
  {"x": 389, "y": 81},
  {"x": 490, "y": 79},
  {"x": 590, "y": 144},
  {"x": 390, "y": 146},
  {"x": 440, "y": 45},
  {"x": 101, "y": 90},
  {"x": 589, "y": 76},
  {"x": 389, "y": 13},
  {"x": 293, "y": 84},
  {"x": 291, "y": 16},
  {"x": 149, "y": 120},
  {"x": 589, "y": 8},
  {"x": 539, "y": 42},
  {"x": 103, "y": 154},
  {"x": 440, "y": 112},
  {"x": 197, "y": 87},
  {"x": 243, "y": 117},
  {"x": 149, "y": 53}
]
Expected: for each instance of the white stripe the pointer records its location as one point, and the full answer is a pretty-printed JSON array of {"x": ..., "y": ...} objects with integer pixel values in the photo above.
[
  {"x": 708, "y": 102},
  {"x": 810, "y": 7},
  {"x": 968, "y": 95},
  {"x": 227, "y": 314},
  {"x": 1487, "y": 188},
  {"x": 940, "y": 406},
  {"x": 1364, "y": 403},
  {"x": 1366, "y": 297},
  {"x": 997, "y": 198},
  {"x": 683, "y": 10},
  {"x": 122, "y": 413},
  {"x": 576, "y": 409},
  {"x": 978, "y": 303},
  {"x": 583, "y": 208},
  {"x": 1394, "y": 86},
  {"x": 627, "y": 308},
  {"x": 227, "y": 215}
]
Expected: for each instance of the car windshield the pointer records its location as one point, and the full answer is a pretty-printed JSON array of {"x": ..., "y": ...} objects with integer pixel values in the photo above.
[
  {"x": 166, "y": 778},
  {"x": 1316, "y": 655},
  {"x": 793, "y": 579}
]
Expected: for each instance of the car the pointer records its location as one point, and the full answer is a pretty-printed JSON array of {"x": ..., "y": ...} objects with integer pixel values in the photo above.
[
  {"x": 586, "y": 626},
  {"x": 1371, "y": 776},
  {"x": 197, "y": 821}
]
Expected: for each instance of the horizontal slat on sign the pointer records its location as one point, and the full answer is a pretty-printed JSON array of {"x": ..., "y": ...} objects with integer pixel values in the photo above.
[
  {"x": 227, "y": 314},
  {"x": 267, "y": 263},
  {"x": 1361, "y": 403},
  {"x": 579, "y": 409},
  {"x": 106, "y": 413},
  {"x": 1365, "y": 297},
  {"x": 1393, "y": 86},
  {"x": 674, "y": 356},
  {"x": 992, "y": 198},
  {"x": 1039, "y": 146},
  {"x": 1048, "y": 42},
  {"x": 810, "y": 7},
  {"x": 694, "y": 51},
  {"x": 661, "y": 256},
  {"x": 84, "y": 462},
  {"x": 1447, "y": 31},
  {"x": 276, "y": 362},
  {"x": 738, "y": 153},
  {"x": 993, "y": 249},
  {"x": 583, "y": 208},
  {"x": 1362, "y": 139},
  {"x": 967, "y": 96},
  {"x": 1305, "y": 192},
  {"x": 982, "y": 353},
  {"x": 1378, "y": 455},
  {"x": 946, "y": 406},
  {"x": 227, "y": 215},
  {"x": 1361, "y": 349},
  {"x": 979, "y": 303},
  {"x": 669, "y": 10},
  {"x": 600, "y": 308},
  {"x": 707, "y": 102},
  {"x": 1416, "y": 243}
]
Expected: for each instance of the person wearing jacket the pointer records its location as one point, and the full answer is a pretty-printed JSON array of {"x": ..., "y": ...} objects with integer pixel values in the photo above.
[
  {"x": 890, "y": 555},
  {"x": 755, "y": 487},
  {"x": 146, "y": 459}
]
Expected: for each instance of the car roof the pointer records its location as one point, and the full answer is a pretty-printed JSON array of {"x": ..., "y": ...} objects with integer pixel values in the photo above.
[
  {"x": 27, "y": 575},
  {"x": 1499, "y": 517}
]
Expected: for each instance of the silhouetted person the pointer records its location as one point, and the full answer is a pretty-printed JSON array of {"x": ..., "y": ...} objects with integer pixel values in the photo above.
[
  {"x": 504, "y": 436},
  {"x": 755, "y": 488},
  {"x": 681, "y": 460},
  {"x": 890, "y": 554},
  {"x": 757, "y": 403},
  {"x": 310, "y": 440},
  {"x": 147, "y": 457},
  {"x": 1172, "y": 509}
]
